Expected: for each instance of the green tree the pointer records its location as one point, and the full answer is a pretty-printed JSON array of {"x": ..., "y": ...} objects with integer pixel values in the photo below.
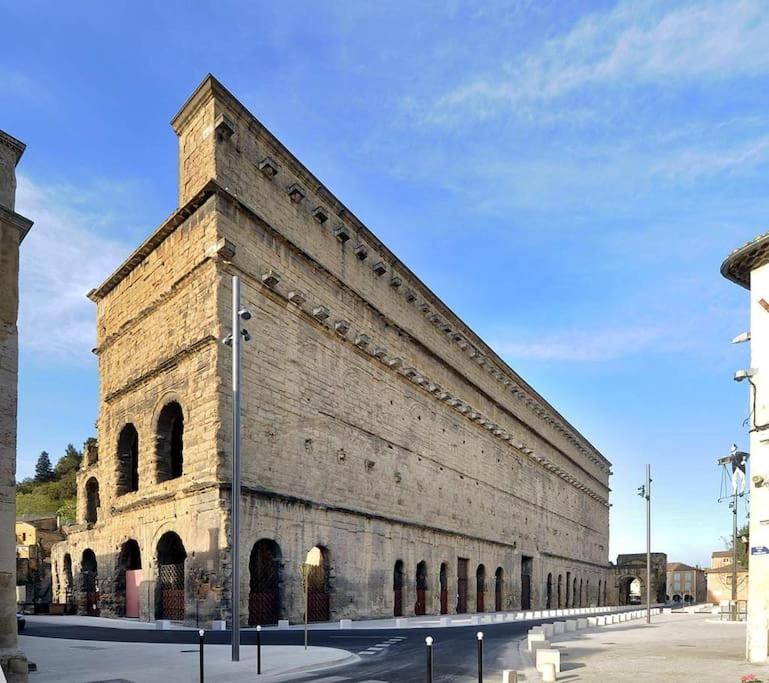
[
  {"x": 742, "y": 547},
  {"x": 69, "y": 462},
  {"x": 43, "y": 470}
]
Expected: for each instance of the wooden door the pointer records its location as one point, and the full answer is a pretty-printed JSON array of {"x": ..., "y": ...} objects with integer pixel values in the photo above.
[
  {"x": 133, "y": 579},
  {"x": 461, "y": 585}
]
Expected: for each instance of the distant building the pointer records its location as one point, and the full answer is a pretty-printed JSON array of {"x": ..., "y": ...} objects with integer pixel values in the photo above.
[
  {"x": 35, "y": 536},
  {"x": 629, "y": 579},
  {"x": 686, "y": 584},
  {"x": 720, "y": 575}
]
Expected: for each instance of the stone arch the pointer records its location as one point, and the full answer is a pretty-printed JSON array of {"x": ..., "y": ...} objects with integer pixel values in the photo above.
[
  {"x": 264, "y": 565},
  {"x": 579, "y": 604},
  {"x": 600, "y": 601},
  {"x": 499, "y": 588},
  {"x": 549, "y": 591},
  {"x": 170, "y": 558},
  {"x": 560, "y": 591},
  {"x": 398, "y": 582},
  {"x": 420, "y": 606},
  {"x": 630, "y": 585},
  {"x": 480, "y": 588},
  {"x": 127, "y": 460},
  {"x": 574, "y": 592},
  {"x": 92, "y": 502},
  {"x": 89, "y": 580},
  {"x": 443, "y": 580},
  {"x": 68, "y": 581},
  {"x": 127, "y": 579},
  {"x": 319, "y": 585},
  {"x": 169, "y": 442}
]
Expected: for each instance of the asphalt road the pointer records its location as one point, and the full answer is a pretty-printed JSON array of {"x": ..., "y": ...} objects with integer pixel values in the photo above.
[{"x": 386, "y": 655}]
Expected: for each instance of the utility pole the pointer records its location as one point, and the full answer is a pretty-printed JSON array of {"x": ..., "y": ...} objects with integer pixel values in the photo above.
[
  {"x": 645, "y": 491},
  {"x": 734, "y": 555},
  {"x": 233, "y": 340}
]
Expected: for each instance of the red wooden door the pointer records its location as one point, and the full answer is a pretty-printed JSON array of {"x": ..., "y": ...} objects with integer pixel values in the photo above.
[
  {"x": 444, "y": 601},
  {"x": 480, "y": 607},
  {"x": 133, "y": 579},
  {"x": 461, "y": 586},
  {"x": 420, "y": 607}
]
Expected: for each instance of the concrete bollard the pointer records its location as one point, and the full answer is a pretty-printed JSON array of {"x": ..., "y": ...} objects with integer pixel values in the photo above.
[
  {"x": 538, "y": 614},
  {"x": 218, "y": 625},
  {"x": 549, "y": 630},
  {"x": 162, "y": 624},
  {"x": 592, "y": 621},
  {"x": 571, "y": 625},
  {"x": 536, "y": 637},
  {"x": 445, "y": 621},
  {"x": 401, "y": 623},
  {"x": 559, "y": 627},
  {"x": 537, "y": 644},
  {"x": 548, "y": 656},
  {"x": 475, "y": 620},
  {"x": 499, "y": 617},
  {"x": 345, "y": 623},
  {"x": 600, "y": 621},
  {"x": 283, "y": 623},
  {"x": 548, "y": 673},
  {"x": 509, "y": 676},
  {"x": 581, "y": 623}
]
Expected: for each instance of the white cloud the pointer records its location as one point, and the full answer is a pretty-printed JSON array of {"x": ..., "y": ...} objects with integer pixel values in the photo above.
[
  {"x": 62, "y": 258},
  {"x": 637, "y": 42}
]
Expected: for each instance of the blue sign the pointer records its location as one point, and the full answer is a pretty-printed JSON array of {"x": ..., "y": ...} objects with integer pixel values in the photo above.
[{"x": 759, "y": 550}]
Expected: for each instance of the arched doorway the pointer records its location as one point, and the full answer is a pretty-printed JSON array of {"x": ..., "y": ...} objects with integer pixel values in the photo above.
[
  {"x": 444, "y": 584},
  {"x": 549, "y": 602},
  {"x": 480, "y": 588},
  {"x": 600, "y": 601},
  {"x": 398, "y": 589},
  {"x": 90, "y": 580},
  {"x": 631, "y": 590},
  {"x": 420, "y": 606},
  {"x": 580, "y": 594},
  {"x": 128, "y": 579},
  {"x": 171, "y": 556},
  {"x": 587, "y": 593},
  {"x": 318, "y": 586},
  {"x": 92, "y": 502},
  {"x": 574, "y": 592},
  {"x": 604, "y": 592},
  {"x": 560, "y": 590},
  {"x": 264, "y": 593},
  {"x": 499, "y": 587},
  {"x": 68, "y": 579}
]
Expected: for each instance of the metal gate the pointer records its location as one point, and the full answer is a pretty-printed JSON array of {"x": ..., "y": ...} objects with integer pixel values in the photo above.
[
  {"x": 461, "y": 586},
  {"x": 171, "y": 578},
  {"x": 318, "y": 603}
]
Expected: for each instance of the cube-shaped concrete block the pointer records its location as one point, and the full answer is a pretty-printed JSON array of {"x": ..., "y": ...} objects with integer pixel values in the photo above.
[
  {"x": 559, "y": 627},
  {"x": 538, "y": 614},
  {"x": 218, "y": 625},
  {"x": 581, "y": 623},
  {"x": 282, "y": 623},
  {"x": 537, "y": 644},
  {"x": 548, "y": 656},
  {"x": 548, "y": 673},
  {"x": 475, "y": 620},
  {"x": 592, "y": 621},
  {"x": 162, "y": 624},
  {"x": 401, "y": 623},
  {"x": 571, "y": 625},
  {"x": 509, "y": 676},
  {"x": 600, "y": 621},
  {"x": 499, "y": 617},
  {"x": 549, "y": 630},
  {"x": 345, "y": 623},
  {"x": 536, "y": 637}
]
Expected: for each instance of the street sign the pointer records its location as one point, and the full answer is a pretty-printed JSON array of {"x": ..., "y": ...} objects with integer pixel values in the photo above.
[{"x": 759, "y": 550}]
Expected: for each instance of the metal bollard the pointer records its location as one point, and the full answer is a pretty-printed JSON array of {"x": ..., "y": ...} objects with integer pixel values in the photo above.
[
  {"x": 429, "y": 649},
  {"x": 479, "y": 636},
  {"x": 259, "y": 649},
  {"x": 201, "y": 634}
]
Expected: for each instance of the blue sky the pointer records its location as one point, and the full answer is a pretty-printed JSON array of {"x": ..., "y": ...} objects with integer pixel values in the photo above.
[{"x": 568, "y": 177}]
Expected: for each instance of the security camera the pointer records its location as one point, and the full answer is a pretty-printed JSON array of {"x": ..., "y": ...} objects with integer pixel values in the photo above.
[
  {"x": 227, "y": 341},
  {"x": 246, "y": 335},
  {"x": 758, "y": 481},
  {"x": 245, "y": 314},
  {"x": 744, "y": 374},
  {"x": 740, "y": 338}
]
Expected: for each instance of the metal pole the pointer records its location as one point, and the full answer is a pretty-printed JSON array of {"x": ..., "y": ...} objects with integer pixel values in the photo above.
[
  {"x": 201, "y": 634},
  {"x": 305, "y": 575},
  {"x": 479, "y": 636},
  {"x": 648, "y": 544},
  {"x": 259, "y": 649},
  {"x": 734, "y": 556},
  {"x": 235, "y": 469},
  {"x": 429, "y": 649}
]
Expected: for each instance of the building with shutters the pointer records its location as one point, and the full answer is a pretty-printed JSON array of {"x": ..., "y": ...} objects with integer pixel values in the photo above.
[{"x": 377, "y": 427}]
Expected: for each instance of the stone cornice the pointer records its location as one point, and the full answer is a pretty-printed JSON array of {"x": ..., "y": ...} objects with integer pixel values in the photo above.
[
  {"x": 11, "y": 142},
  {"x": 15, "y": 220},
  {"x": 738, "y": 265}
]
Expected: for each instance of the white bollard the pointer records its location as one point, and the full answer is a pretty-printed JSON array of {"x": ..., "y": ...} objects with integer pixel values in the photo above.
[
  {"x": 548, "y": 656},
  {"x": 549, "y": 630},
  {"x": 509, "y": 676},
  {"x": 162, "y": 624},
  {"x": 536, "y": 637},
  {"x": 592, "y": 621},
  {"x": 475, "y": 620},
  {"x": 581, "y": 623},
  {"x": 445, "y": 621},
  {"x": 559, "y": 627},
  {"x": 283, "y": 623},
  {"x": 345, "y": 623},
  {"x": 571, "y": 625},
  {"x": 548, "y": 673},
  {"x": 401, "y": 623},
  {"x": 218, "y": 625}
]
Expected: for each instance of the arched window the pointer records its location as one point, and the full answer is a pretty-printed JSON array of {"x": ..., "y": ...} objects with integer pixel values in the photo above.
[
  {"x": 420, "y": 606},
  {"x": 560, "y": 590},
  {"x": 128, "y": 460},
  {"x": 549, "y": 591},
  {"x": 480, "y": 590},
  {"x": 398, "y": 589},
  {"x": 170, "y": 442},
  {"x": 499, "y": 587},
  {"x": 92, "y": 501}
]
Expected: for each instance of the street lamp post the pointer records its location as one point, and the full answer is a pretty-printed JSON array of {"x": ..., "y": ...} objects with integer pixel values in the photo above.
[
  {"x": 233, "y": 340},
  {"x": 645, "y": 491}
]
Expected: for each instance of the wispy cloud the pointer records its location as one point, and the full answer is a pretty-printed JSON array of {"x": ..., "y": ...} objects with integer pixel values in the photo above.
[
  {"x": 64, "y": 256},
  {"x": 638, "y": 42}
]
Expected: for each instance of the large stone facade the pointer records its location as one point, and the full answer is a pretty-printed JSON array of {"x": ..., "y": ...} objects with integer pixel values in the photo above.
[
  {"x": 13, "y": 228},
  {"x": 375, "y": 424}
]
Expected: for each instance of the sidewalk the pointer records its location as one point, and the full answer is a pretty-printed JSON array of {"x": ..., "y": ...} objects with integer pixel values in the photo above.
[
  {"x": 674, "y": 647},
  {"x": 77, "y": 661}
]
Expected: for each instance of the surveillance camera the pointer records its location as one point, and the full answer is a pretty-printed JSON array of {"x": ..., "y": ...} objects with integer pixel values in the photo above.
[
  {"x": 758, "y": 481},
  {"x": 744, "y": 374},
  {"x": 246, "y": 335},
  {"x": 227, "y": 341},
  {"x": 740, "y": 338},
  {"x": 245, "y": 314}
]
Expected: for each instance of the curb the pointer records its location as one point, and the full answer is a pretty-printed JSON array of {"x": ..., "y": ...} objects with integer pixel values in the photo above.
[{"x": 346, "y": 660}]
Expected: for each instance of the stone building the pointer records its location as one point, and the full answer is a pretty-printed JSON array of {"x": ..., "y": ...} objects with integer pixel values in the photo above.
[
  {"x": 629, "y": 579},
  {"x": 720, "y": 577},
  {"x": 685, "y": 584},
  {"x": 36, "y": 535},
  {"x": 376, "y": 426},
  {"x": 13, "y": 229}
]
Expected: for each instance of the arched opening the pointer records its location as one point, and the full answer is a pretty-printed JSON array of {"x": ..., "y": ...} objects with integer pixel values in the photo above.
[
  {"x": 600, "y": 602},
  {"x": 398, "y": 589},
  {"x": 604, "y": 592},
  {"x": 463, "y": 587},
  {"x": 68, "y": 579},
  {"x": 574, "y": 592},
  {"x": 127, "y": 460},
  {"x": 170, "y": 442},
  {"x": 480, "y": 588},
  {"x": 580, "y": 594},
  {"x": 631, "y": 590},
  {"x": 420, "y": 606},
  {"x": 171, "y": 556},
  {"x": 560, "y": 590},
  {"x": 549, "y": 603},
  {"x": 92, "y": 503},
  {"x": 688, "y": 599},
  {"x": 128, "y": 577},
  {"x": 319, "y": 586},
  {"x": 587, "y": 593},
  {"x": 444, "y": 585},
  {"x": 264, "y": 593},
  {"x": 499, "y": 587},
  {"x": 89, "y": 577}
]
